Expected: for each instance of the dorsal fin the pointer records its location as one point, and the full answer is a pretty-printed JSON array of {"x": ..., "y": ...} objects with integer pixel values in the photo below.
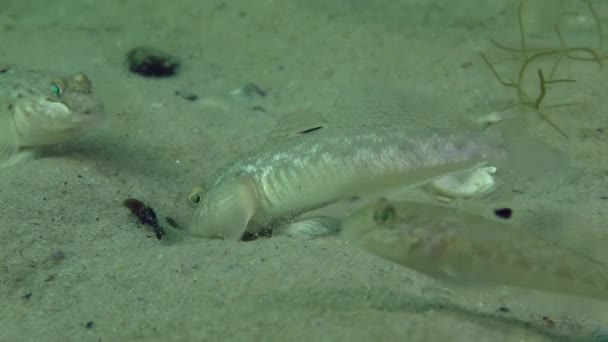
[
  {"x": 296, "y": 124},
  {"x": 380, "y": 105}
]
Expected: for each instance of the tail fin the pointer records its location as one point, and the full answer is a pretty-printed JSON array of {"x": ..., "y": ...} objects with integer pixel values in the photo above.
[{"x": 529, "y": 157}]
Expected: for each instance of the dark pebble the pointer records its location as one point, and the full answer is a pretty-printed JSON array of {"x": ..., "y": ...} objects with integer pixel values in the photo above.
[
  {"x": 186, "y": 95},
  {"x": 58, "y": 255},
  {"x": 503, "y": 213},
  {"x": 151, "y": 62},
  {"x": 503, "y": 309},
  {"x": 172, "y": 222},
  {"x": 89, "y": 325},
  {"x": 252, "y": 89},
  {"x": 249, "y": 236}
]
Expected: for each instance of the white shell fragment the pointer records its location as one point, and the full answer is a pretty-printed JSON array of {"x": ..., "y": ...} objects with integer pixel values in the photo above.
[
  {"x": 465, "y": 184},
  {"x": 312, "y": 227},
  {"x": 490, "y": 118}
]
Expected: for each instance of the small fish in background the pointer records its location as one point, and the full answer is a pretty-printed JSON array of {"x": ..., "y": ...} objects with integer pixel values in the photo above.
[
  {"x": 40, "y": 108},
  {"x": 467, "y": 249}
]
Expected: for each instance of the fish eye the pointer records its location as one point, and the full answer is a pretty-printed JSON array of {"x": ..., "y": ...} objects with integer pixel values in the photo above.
[
  {"x": 57, "y": 88},
  {"x": 385, "y": 213},
  {"x": 195, "y": 197}
]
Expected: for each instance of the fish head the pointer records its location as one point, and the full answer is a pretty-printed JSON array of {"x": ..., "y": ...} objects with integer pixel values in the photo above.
[
  {"x": 379, "y": 216},
  {"x": 51, "y": 108},
  {"x": 225, "y": 210}
]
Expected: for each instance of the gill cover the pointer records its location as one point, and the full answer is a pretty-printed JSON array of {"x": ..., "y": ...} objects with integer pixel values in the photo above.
[{"x": 225, "y": 211}]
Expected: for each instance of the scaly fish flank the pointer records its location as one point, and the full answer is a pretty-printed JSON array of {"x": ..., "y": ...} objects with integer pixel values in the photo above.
[
  {"x": 40, "y": 108},
  {"x": 289, "y": 177},
  {"x": 472, "y": 250}
]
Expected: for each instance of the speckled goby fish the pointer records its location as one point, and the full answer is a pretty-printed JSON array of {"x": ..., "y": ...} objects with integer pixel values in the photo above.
[
  {"x": 291, "y": 175},
  {"x": 40, "y": 108},
  {"x": 468, "y": 249}
]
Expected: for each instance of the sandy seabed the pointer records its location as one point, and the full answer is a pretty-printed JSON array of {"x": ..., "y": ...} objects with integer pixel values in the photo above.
[{"x": 77, "y": 267}]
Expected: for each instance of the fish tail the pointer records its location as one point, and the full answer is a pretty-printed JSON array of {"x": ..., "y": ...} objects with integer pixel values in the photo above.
[
  {"x": 525, "y": 261},
  {"x": 526, "y": 155}
]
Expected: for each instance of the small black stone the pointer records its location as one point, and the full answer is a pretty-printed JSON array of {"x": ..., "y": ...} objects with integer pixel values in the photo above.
[
  {"x": 151, "y": 62},
  {"x": 186, "y": 95},
  {"x": 503, "y": 309},
  {"x": 249, "y": 236},
  {"x": 89, "y": 325},
  {"x": 172, "y": 222},
  {"x": 57, "y": 255},
  {"x": 251, "y": 89},
  {"x": 503, "y": 213},
  {"x": 27, "y": 295}
]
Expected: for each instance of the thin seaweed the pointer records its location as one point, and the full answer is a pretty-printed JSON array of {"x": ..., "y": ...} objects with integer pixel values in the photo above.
[{"x": 563, "y": 51}]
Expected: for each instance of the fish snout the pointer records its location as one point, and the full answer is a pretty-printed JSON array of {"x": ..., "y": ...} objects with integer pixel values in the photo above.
[{"x": 225, "y": 211}]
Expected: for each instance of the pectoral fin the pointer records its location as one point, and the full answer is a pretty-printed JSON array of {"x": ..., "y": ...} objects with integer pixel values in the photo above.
[{"x": 11, "y": 155}]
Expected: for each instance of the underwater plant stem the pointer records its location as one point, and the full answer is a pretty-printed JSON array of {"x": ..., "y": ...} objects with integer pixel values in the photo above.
[
  {"x": 598, "y": 24},
  {"x": 543, "y": 90},
  {"x": 536, "y": 55},
  {"x": 521, "y": 28}
]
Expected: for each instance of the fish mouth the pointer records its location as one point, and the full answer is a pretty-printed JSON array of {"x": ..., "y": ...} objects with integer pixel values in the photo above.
[
  {"x": 77, "y": 110},
  {"x": 55, "y": 117},
  {"x": 86, "y": 112},
  {"x": 80, "y": 106}
]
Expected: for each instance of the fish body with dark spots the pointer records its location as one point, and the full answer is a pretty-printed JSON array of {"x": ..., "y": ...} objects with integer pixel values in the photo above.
[{"x": 468, "y": 249}]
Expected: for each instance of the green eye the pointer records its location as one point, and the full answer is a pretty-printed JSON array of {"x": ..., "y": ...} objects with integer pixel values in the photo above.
[
  {"x": 384, "y": 214},
  {"x": 56, "y": 89}
]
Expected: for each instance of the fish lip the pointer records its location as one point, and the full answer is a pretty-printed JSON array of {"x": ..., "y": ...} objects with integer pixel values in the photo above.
[{"x": 94, "y": 109}]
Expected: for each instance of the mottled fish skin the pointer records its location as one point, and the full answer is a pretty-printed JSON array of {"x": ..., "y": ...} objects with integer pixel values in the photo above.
[
  {"x": 286, "y": 179},
  {"x": 472, "y": 250},
  {"x": 40, "y": 108}
]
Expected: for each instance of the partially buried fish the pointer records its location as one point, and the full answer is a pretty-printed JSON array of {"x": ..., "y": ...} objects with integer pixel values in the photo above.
[
  {"x": 40, "y": 108},
  {"x": 468, "y": 249},
  {"x": 296, "y": 173}
]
